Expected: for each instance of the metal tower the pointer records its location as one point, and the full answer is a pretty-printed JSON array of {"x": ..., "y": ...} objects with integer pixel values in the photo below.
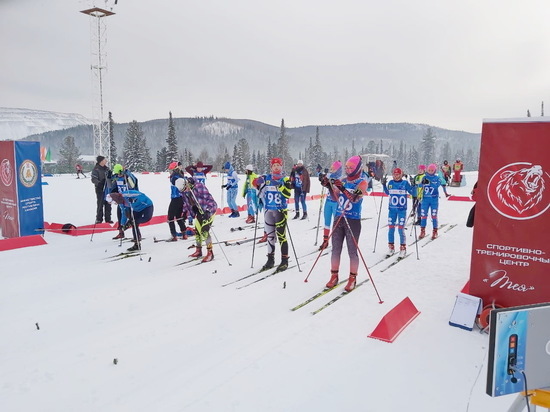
[{"x": 98, "y": 41}]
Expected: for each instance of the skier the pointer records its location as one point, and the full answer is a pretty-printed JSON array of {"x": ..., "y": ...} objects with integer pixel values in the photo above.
[
  {"x": 458, "y": 166},
  {"x": 331, "y": 204},
  {"x": 175, "y": 209},
  {"x": 198, "y": 201},
  {"x": 101, "y": 183},
  {"x": 199, "y": 171},
  {"x": 446, "y": 169},
  {"x": 79, "y": 171},
  {"x": 299, "y": 177},
  {"x": 430, "y": 200},
  {"x": 274, "y": 190},
  {"x": 398, "y": 190},
  {"x": 122, "y": 181},
  {"x": 136, "y": 208},
  {"x": 416, "y": 181},
  {"x": 232, "y": 188},
  {"x": 250, "y": 193},
  {"x": 349, "y": 194}
]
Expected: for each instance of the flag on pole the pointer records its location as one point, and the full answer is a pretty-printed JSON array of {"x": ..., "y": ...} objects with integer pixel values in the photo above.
[{"x": 48, "y": 155}]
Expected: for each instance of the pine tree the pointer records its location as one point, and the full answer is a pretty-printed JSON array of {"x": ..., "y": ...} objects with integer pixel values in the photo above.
[
  {"x": 162, "y": 160},
  {"x": 283, "y": 148},
  {"x": 427, "y": 146},
  {"x": 69, "y": 156},
  {"x": 244, "y": 155},
  {"x": 171, "y": 141},
  {"x": 112, "y": 144},
  {"x": 136, "y": 153}
]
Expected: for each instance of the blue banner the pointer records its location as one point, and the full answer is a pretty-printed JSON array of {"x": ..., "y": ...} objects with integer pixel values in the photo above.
[{"x": 29, "y": 188}]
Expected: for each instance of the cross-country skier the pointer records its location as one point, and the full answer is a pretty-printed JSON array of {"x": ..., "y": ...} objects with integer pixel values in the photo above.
[
  {"x": 331, "y": 204},
  {"x": 349, "y": 194},
  {"x": 250, "y": 193},
  {"x": 232, "y": 188},
  {"x": 274, "y": 190},
  {"x": 430, "y": 199},
  {"x": 299, "y": 177},
  {"x": 398, "y": 190},
  {"x": 175, "y": 209},
  {"x": 416, "y": 181},
  {"x": 121, "y": 181},
  {"x": 136, "y": 208},
  {"x": 198, "y": 201},
  {"x": 198, "y": 171}
]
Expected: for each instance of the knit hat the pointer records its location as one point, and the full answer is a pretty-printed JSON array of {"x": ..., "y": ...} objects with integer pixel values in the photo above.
[
  {"x": 172, "y": 165},
  {"x": 354, "y": 163},
  {"x": 227, "y": 166},
  {"x": 200, "y": 164},
  {"x": 300, "y": 162},
  {"x": 250, "y": 167},
  {"x": 421, "y": 167},
  {"x": 117, "y": 169},
  {"x": 276, "y": 160},
  {"x": 99, "y": 159},
  {"x": 336, "y": 165},
  {"x": 433, "y": 167},
  {"x": 398, "y": 171}
]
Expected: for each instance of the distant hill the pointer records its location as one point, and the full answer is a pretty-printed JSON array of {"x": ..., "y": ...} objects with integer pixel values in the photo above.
[
  {"x": 197, "y": 134},
  {"x": 16, "y": 124}
]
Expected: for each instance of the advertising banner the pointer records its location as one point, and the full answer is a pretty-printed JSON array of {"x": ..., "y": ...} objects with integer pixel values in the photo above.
[
  {"x": 9, "y": 214},
  {"x": 510, "y": 263},
  {"x": 21, "y": 203},
  {"x": 29, "y": 188}
]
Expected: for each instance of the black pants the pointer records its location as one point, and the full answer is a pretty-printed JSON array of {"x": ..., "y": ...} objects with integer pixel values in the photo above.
[
  {"x": 175, "y": 211},
  {"x": 142, "y": 216},
  {"x": 102, "y": 204}
]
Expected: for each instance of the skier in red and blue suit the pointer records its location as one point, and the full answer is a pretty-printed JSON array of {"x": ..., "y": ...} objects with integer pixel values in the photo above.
[
  {"x": 398, "y": 190},
  {"x": 430, "y": 199}
]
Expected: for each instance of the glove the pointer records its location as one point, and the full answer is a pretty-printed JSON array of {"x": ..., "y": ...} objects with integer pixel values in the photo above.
[
  {"x": 227, "y": 187},
  {"x": 287, "y": 183},
  {"x": 338, "y": 183},
  {"x": 384, "y": 181},
  {"x": 324, "y": 181},
  {"x": 425, "y": 181},
  {"x": 224, "y": 186}
]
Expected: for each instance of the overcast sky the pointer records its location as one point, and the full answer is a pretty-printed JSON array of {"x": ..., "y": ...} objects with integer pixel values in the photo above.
[{"x": 311, "y": 62}]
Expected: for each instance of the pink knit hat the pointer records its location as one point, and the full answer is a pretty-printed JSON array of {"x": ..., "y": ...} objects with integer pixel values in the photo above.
[
  {"x": 421, "y": 167},
  {"x": 353, "y": 163},
  {"x": 433, "y": 167},
  {"x": 336, "y": 165}
]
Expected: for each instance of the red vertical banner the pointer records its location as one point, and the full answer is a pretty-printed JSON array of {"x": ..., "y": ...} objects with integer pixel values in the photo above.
[
  {"x": 510, "y": 263},
  {"x": 9, "y": 216}
]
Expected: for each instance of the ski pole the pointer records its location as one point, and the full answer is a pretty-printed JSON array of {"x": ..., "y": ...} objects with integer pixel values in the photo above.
[
  {"x": 378, "y": 225},
  {"x": 254, "y": 242},
  {"x": 319, "y": 217},
  {"x": 363, "y": 259},
  {"x": 223, "y": 251},
  {"x": 416, "y": 243},
  {"x": 321, "y": 251},
  {"x": 292, "y": 244},
  {"x": 93, "y": 231},
  {"x": 223, "y": 188}
]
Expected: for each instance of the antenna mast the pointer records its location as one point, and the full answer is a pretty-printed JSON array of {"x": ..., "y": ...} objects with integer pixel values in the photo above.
[{"x": 98, "y": 41}]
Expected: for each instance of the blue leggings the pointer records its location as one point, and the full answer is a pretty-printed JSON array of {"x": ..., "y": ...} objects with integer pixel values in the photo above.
[
  {"x": 299, "y": 197},
  {"x": 429, "y": 203},
  {"x": 231, "y": 198},
  {"x": 330, "y": 210},
  {"x": 396, "y": 218}
]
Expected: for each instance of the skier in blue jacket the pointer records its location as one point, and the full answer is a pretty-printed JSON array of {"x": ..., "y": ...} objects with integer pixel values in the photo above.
[
  {"x": 136, "y": 208},
  {"x": 430, "y": 199},
  {"x": 175, "y": 208},
  {"x": 232, "y": 188},
  {"x": 398, "y": 190}
]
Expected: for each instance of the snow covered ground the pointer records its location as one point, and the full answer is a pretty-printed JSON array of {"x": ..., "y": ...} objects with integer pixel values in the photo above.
[{"x": 185, "y": 343}]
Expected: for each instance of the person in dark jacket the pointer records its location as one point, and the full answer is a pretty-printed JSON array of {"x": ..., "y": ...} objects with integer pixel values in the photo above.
[
  {"x": 301, "y": 184},
  {"x": 100, "y": 179}
]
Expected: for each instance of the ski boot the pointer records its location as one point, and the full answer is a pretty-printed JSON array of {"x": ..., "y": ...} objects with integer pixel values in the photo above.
[
  {"x": 296, "y": 216},
  {"x": 324, "y": 245},
  {"x": 402, "y": 251},
  {"x": 197, "y": 253},
  {"x": 391, "y": 250},
  {"x": 304, "y": 216},
  {"x": 209, "y": 254},
  {"x": 284, "y": 263},
  {"x": 134, "y": 248},
  {"x": 119, "y": 236},
  {"x": 351, "y": 282},
  {"x": 333, "y": 279},
  {"x": 250, "y": 219},
  {"x": 434, "y": 234},
  {"x": 173, "y": 238},
  {"x": 263, "y": 239},
  {"x": 270, "y": 261},
  {"x": 232, "y": 213},
  {"x": 422, "y": 234}
]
